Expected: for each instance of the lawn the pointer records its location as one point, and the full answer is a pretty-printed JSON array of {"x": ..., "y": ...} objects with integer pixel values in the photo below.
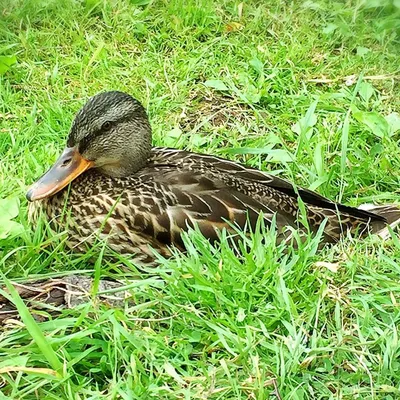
[{"x": 308, "y": 90}]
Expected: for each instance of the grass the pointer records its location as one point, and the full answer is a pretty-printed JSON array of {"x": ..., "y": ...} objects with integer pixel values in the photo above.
[{"x": 308, "y": 90}]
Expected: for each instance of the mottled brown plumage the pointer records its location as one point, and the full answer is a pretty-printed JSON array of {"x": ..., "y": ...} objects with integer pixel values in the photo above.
[{"x": 139, "y": 199}]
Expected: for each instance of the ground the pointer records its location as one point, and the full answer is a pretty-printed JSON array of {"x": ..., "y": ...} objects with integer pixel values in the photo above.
[{"x": 306, "y": 89}]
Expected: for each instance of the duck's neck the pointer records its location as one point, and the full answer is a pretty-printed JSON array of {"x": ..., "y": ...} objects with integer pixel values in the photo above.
[{"x": 122, "y": 169}]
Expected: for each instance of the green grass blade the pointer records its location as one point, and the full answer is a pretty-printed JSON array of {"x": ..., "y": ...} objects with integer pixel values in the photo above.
[{"x": 32, "y": 327}]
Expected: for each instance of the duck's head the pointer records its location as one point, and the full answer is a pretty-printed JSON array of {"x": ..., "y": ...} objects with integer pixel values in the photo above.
[{"x": 111, "y": 132}]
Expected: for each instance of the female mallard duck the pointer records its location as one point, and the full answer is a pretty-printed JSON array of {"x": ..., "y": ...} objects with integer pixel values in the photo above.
[{"x": 141, "y": 198}]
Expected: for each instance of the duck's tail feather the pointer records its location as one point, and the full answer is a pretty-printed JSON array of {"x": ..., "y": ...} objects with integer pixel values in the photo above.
[{"x": 391, "y": 212}]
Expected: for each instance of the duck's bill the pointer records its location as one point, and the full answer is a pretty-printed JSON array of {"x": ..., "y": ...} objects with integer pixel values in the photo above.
[{"x": 68, "y": 166}]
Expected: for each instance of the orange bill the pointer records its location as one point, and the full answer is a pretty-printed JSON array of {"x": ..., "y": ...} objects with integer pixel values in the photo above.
[{"x": 68, "y": 166}]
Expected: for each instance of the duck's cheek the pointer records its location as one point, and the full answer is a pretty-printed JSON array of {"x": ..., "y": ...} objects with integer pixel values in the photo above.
[
  {"x": 106, "y": 161},
  {"x": 68, "y": 166}
]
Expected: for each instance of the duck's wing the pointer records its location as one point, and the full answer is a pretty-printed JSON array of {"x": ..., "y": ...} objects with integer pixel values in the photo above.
[
  {"x": 276, "y": 194},
  {"x": 251, "y": 179},
  {"x": 171, "y": 201}
]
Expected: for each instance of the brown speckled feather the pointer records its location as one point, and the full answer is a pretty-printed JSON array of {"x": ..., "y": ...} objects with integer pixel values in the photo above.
[{"x": 177, "y": 190}]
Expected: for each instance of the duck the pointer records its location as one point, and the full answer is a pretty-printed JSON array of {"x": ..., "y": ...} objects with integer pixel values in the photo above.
[{"x": 111, "y": 184}]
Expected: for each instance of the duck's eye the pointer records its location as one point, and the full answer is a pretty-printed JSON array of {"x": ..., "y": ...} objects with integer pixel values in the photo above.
[{"x": 106, "y": 126}]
